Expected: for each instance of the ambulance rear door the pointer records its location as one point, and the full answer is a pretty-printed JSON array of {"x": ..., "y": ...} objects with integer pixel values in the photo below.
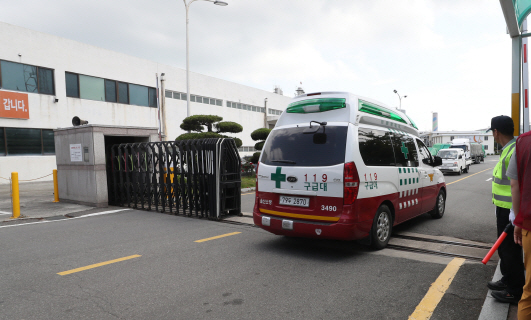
[{"x": 300, "y": 175}]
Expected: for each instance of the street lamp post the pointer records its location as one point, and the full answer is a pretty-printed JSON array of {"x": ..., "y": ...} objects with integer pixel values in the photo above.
[
  {"x": 187, "y": 6},
  {"x": 399, "y": 98}
]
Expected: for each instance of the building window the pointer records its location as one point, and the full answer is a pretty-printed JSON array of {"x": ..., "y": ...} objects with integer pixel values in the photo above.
[
  {"x": 72, "y": 85},
  {"x": 26, "y": 141},
  {"x": 110, "y": 91},
  {"x": 486, "y": 147},
  {"x": 168, "y": 94},
  {"x": 91, "y": 88},
  {"x": 23, "y": 141},
  {"x": 138, "y": 95},
  {"x": 123, "y": 93},
  {"x": 26, "y": 78},
  {"x": 48, "y": 143},
  {"x": 99, "y": 89},
  {"x": 486, "y": 138},
  {"x": 2, "y": 143},
  {"x": 219, "y": 102},
  {"x": 152, "y": 96},
  {"x": 451, "y": 138},
  {"x": 45, "y": 81}
]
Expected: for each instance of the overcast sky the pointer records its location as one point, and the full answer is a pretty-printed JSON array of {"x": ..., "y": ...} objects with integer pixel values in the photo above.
[{"x": 448, "y": 56}]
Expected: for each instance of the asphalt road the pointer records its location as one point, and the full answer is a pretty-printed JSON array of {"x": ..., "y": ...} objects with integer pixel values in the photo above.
[{"x": 250, "y": 274}]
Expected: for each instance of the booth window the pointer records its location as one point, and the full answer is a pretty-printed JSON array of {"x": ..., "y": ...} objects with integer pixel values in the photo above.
[
  {"x": 26, "y": 78},
  {"x": 26, "y": 141}
]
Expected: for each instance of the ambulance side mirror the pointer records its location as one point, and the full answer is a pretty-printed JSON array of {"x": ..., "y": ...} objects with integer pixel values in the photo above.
[{"x": 437, "y": 161}]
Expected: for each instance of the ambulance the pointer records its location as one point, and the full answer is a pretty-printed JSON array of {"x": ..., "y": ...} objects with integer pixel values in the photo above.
[{"x": 341, "y": 166}]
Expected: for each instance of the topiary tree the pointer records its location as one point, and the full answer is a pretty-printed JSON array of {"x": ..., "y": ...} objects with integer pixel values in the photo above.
[
  {"x": 259, "y": 135},
  {"x": 214, "y": 127}
]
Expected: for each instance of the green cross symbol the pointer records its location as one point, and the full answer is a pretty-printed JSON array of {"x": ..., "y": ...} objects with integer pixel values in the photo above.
[
  {"x": 278, "y": 177},
  {"x": 404, "y": 149}
]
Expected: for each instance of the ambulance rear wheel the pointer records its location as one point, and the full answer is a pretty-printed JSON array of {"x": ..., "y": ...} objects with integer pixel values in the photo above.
[
  {"x": 440, "y": 205},
  {"x": 381, "y": 227},
  {"x": 467, "y": 169}
]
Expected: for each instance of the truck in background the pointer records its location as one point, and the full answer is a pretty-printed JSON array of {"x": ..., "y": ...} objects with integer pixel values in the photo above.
[
  {"x": 477, "y": 154},
  {"x": 463, "y": 144},
  {"x": 473, "y": 151}
]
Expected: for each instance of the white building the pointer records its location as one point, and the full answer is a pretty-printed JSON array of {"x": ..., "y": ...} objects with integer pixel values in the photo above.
[
  {"x": 46, "y": 80},
  {"x": 480, "y": 136}
]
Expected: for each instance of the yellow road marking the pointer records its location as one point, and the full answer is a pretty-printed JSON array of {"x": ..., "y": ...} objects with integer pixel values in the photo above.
[
  {"x": 217, "y": 237},
  {"x": 470, "y": 176},
  {"x": 300, "y": 216},
  {"x": 98, "y": 265},
  {"x": 426, "y": 307}
]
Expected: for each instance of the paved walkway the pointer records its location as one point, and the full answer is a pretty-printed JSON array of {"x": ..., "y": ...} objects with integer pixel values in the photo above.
[{"x": 36, "y": 201}]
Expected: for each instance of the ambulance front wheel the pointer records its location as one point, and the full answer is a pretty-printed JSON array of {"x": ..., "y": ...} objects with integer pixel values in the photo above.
[
  {"x": 381, "y": 227},
  {"x": 440, "y": 205}
]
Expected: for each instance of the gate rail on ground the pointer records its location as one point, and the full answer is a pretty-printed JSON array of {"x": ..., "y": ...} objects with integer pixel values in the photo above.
[{"x": 198, "y": 177}]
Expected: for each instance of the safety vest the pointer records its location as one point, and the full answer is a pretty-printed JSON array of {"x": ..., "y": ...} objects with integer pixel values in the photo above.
[{"x": 501, "y": 185}]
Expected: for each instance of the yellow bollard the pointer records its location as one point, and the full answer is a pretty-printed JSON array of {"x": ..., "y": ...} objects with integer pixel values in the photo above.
[
  {"x": 55, "y": 186},
  {"x": 15, "y": 195}
]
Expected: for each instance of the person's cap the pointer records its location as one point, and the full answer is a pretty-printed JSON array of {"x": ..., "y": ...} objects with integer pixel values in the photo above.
[{"x": 503, "y": 124}]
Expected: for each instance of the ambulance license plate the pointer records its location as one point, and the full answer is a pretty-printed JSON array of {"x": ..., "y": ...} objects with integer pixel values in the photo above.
[{"x": 294, "y": 201}]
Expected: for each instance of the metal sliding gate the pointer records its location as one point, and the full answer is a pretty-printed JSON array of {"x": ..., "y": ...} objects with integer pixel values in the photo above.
[{"x": 192, "y": 177}]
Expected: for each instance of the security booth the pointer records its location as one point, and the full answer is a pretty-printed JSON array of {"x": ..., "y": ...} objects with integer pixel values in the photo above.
[{"x": 83, "y": 162}]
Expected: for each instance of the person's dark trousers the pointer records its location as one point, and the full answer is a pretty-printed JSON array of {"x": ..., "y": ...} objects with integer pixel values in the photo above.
[{"x": 511, "y": 256}]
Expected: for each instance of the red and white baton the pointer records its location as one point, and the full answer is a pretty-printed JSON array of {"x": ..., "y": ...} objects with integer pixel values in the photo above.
[{"x": 497, "y": 244}]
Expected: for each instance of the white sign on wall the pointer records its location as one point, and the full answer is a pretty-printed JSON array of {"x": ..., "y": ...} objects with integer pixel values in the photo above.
[{"x": 76, "y": 153}]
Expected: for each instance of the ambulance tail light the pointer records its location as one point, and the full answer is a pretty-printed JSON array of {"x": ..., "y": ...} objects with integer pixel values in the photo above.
[{"x": 352, "y": 182}]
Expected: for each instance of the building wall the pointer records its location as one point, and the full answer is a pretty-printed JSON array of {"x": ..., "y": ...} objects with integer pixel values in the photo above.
[
  {"x": 30, "y": 47},
  {"x": 486, "y": 139}
]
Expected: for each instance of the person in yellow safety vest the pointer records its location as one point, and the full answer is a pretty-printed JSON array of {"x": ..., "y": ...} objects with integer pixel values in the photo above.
[{"x": 509, "y": 287}]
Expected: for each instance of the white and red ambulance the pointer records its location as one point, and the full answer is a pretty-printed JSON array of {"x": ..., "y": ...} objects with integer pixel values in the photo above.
[{"x": 340, "y": 166}]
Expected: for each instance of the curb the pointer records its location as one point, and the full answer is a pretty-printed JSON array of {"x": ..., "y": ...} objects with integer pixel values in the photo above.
[
  {"x": 493, "y": 309},
  {"x": 248, "y": 189}
]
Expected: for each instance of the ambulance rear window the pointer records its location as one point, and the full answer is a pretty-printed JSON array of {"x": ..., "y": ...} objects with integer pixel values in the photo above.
[{"x": 292, "y": 147}]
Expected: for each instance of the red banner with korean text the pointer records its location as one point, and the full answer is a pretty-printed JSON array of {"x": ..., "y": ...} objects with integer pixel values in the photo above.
[{"x": 14, "y": 105}]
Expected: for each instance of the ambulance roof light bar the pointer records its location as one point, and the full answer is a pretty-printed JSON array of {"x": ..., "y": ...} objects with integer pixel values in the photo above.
[
  {"x": 376, "y": 110},
  {"x": 316, "y": 105}
]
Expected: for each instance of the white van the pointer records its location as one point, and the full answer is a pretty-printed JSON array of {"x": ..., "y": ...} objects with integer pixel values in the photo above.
[
  {"x": 453, "y": 161},
  {"x": 339, "y": 166}
]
